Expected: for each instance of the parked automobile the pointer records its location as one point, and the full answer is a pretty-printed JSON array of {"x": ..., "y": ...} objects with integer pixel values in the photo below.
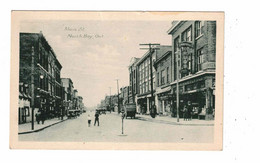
[{"x": 130, "y": 110}]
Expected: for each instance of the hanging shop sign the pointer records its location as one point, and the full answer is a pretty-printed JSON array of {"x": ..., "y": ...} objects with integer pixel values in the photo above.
[{"x": 186, "y": 51}]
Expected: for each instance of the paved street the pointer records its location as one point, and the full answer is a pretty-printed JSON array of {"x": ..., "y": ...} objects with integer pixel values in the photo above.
[{"x": 135, "y": 130}]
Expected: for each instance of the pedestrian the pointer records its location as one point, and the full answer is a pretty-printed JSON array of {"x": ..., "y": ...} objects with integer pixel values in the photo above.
[
  {"x": 38, "y": 117},
  {"x": 185, "y": 113},
  {"x": 89, "y": 120},
  {"x": 42, "y": 117},
  {"x": 96, "y": 118},
  {"x": 189, "y": 108}
]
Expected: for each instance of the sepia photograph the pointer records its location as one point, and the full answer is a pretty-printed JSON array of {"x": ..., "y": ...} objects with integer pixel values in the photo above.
[{"x": 117, "y": 80}]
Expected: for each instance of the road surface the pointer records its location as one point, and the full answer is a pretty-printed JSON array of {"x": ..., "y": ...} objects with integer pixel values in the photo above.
[{"x": 110, "y": 130}]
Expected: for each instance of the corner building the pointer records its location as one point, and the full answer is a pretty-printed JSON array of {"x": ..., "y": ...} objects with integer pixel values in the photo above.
[
  {"x": 45, "y": 71},
  {"x": 194, "y": 52}
]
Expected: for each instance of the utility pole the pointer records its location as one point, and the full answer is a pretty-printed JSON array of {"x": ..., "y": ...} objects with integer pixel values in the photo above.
[
  {"x": 177, "y": 85},
  {"x": 110, "y": 99},
  {"x": 32, "y": 87},
  {"x": 118, "y": 97},
  {"x": 151, "y": 69},
  {"x": 132, "y": 83}
]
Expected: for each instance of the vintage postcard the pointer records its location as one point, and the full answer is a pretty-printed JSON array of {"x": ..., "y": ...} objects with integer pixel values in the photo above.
[{"x": 117, "y": 80}]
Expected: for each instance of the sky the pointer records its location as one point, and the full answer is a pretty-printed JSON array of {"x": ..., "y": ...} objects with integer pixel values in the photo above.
[{"x": 95, "y": 53}]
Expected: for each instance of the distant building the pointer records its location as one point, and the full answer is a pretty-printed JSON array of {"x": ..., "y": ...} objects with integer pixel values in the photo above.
[
  {"x": 68, "y": 86},
  {"x": 75, "y": 99},
  {"x": 133, "y": 85},
  {"x": 81, "y": 104}
]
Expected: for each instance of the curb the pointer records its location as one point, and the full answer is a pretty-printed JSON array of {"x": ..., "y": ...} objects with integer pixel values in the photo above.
[
  {"x": 167, "y": 122},
  {"x": 28, "y": 132},
  {"x": 172, "y": 123}
]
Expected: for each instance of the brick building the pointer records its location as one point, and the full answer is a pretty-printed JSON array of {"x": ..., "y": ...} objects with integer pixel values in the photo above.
[
  {"x": 194, "y": 52},
  {"x": 133, "y": 86},
  {"x": 164, "y": 67},
  {"x": 39, "y": 66},
  {"x": 124, "y": 95},
  {"x": 68, "y": 88},
  {"x": 144, "y": 97}
]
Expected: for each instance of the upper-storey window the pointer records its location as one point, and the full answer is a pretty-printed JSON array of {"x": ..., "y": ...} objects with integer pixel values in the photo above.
[
  {"x": 167, "y": 75},
  {"x": 162, "y": 77},
  {"x": 198, "y": 28},
  {"x": 200, "y": 58},
  {"x": 186, "y": 35}
]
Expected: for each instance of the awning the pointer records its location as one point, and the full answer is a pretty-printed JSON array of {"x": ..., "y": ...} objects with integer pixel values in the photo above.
[
  {"x": 24, "y": 95},
  {"x": 20, "y": 94},
  {"x": 193, "y": 91},
  {"x": 21, "y": 103},
  {"x": 163, "y": 90}
]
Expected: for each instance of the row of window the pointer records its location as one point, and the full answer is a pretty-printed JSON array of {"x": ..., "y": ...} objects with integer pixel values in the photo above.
[
  {"x": 187, "y": 34},
  {"x": 48, "y": 86},
  {"x": 45, "y": 62},
  {"x": 146, "y": 86},
  {"x": 163, "y": 77}
]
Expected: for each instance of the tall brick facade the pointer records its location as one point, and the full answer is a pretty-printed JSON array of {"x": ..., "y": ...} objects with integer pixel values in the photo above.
[
  {"x": 197, "y": 82},
  {"x": 46, "y": 73}
]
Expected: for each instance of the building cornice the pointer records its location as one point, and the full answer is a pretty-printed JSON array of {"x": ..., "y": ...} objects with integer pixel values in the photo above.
[
  {"x": 175, "y": 27},
  {"x": 193, "y": 76}
]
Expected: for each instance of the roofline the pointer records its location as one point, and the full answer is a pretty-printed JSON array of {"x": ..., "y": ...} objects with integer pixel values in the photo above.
[
  {"x": 68, "y": 79},
  {"x": 163, "y": 56},
  {"x": 143, "y": 57},
  {"x": 174, "y": 27}
]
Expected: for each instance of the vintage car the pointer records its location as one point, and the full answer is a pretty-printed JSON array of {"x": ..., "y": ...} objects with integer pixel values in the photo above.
[{"x": 130, "y": 110}]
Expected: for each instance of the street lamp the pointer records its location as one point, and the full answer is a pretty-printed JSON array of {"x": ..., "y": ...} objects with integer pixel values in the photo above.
[
  {"x": 110, "y": 99},
  {"x": 32, "y": 87},
  {"x": 41, "y": 76}
]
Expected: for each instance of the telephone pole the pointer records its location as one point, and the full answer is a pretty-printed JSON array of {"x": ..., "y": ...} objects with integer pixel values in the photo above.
[
  {"x": 118, "y": 96},
  {"x": 177, "y": 85},
  {"x": 32, "y": 87},
  {"x": 110, "y": 99},
  {"x": 151, "y": 69}
]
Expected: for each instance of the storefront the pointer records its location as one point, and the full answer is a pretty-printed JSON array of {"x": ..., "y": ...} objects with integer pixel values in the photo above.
[
  {"x": 24, "y": 111},
  {"x": 141, "y": 105},
  {"x": 164, "y": 101},
  {"x": 144, "y": 104},
  {"x": 199, "y": 90}
]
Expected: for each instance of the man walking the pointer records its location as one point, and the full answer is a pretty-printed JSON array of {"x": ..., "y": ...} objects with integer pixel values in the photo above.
[
  {"x": 96, "y": 118},
  {"x": 189, "y": 108}
]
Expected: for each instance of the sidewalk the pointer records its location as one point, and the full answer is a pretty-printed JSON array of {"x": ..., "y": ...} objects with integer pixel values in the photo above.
[
  {"x": 173, "y": 120},
  {"x": 26, "y": 128}
]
